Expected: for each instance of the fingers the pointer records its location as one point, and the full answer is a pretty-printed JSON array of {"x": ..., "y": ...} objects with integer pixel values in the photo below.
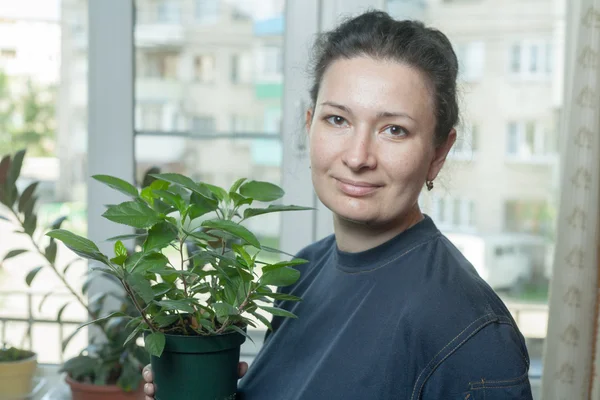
[
  {"x": 147, "y": 374},
  {"x": 242, "y": 369},
  {"x": 149, "y": 390}
]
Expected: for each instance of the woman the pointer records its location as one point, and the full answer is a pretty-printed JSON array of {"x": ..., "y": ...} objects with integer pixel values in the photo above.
[{"x": 391, "y": 309}]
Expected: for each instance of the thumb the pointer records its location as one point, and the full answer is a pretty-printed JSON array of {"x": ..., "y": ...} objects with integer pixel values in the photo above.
[{"x": 242, "y": 369}]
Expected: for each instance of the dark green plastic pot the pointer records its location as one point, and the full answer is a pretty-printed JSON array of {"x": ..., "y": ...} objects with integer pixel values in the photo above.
[{"x": 198, "y": 367}]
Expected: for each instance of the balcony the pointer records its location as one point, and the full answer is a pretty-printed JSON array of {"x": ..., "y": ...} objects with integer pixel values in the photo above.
[{"x": 153, "y": 35}]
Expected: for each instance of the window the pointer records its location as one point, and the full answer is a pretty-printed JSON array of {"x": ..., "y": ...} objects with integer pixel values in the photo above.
[
  {"x": 528, "y": 216},
  {"x": 168, "y": 11},
  {"x": 150, "y": 117},
  {"x": 241, "y": 123},
  {"x": 531, "y": 59},
  {"x": 471, "y": 59},
  {"x": 158, "y": 65},
  {"x": 203, "y": 125},
  {"x": 453, "y": 213},
  {"x": 240, "y": 68},
  {"x": 527, "y": 140},
  {"x": 204, "y": 68},
  {"x": 207, "y": 11},
  {"x": 8, "y": 54},
  {"x": 465, "y": 146}
]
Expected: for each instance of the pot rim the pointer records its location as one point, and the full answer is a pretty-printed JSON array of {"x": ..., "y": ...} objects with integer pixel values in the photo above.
[
  {"x": 23, "y": 361},
  {"x": 90, "y": 387}
]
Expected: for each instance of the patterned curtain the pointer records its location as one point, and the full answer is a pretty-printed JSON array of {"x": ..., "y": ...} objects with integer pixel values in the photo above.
[{"x": 572, "y": 348}]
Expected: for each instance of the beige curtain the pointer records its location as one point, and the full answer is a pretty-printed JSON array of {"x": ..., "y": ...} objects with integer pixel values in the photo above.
[{"x": 572, "y": 348}]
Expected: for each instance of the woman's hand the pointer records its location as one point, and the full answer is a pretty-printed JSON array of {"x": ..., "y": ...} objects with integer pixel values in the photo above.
[{"x": 149, "y": 386}]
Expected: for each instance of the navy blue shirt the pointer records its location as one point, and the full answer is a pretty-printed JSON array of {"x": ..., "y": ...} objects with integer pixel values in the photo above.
[{"x": 409, "y": 319}]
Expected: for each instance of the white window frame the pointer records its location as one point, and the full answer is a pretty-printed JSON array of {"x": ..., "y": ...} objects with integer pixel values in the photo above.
[
  {"x": 525, "y": 49},
  {"x": 442, "y": 213},
  {"x": 465, "y": 147},
  {"x": 539, "y": 154},
  {"x": 471, "y": 58}
]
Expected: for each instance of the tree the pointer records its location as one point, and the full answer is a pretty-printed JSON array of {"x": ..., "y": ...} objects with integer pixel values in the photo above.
[{"x": 27, "y": 120}]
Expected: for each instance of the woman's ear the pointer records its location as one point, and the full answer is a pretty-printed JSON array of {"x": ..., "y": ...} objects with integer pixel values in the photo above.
[
  {"x": 441, "y": 152},
  {"x": 308, "y": 122}
]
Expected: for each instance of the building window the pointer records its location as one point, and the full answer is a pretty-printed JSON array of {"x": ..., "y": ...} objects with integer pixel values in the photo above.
[
  {"x": 528, "y": 216},
  {"x": 527, "y": 140},
  {"x": 207, "y": 11},
  {"x": 530, "y": 59},
  {"x": 453, "y": 213},
  {"x": 203, "y": 125},
  {"x": 8, "y": 54},
  {"x": 471, "y": 59},
  {"x": 241, "y": 123},
  {"x": 158, "y": 65},
  {"x": 272, "y": 61},
  {"x": 151, "y": 116},
  {"x": 240, "y": 68},
  {"x": 204, "y": 68},
  {"x": 466, "y": 142},
  {"x": 168, "y": 11}
]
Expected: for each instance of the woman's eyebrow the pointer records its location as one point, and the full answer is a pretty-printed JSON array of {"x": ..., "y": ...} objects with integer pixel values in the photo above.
[{"x": 380, "y": 114}]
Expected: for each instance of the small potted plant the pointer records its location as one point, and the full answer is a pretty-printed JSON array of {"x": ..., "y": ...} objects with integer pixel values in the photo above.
[
  {"x": 17, "y": 369},
  {"x": 109, "y": 367},
  {"x": 198, "y": 304}
]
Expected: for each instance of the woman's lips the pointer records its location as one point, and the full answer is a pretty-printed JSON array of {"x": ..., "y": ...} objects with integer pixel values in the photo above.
[{"x": 356, "y": 188}]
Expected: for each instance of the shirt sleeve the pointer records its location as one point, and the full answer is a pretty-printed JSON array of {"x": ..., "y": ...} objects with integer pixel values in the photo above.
[{"x": 493, "y": 364}]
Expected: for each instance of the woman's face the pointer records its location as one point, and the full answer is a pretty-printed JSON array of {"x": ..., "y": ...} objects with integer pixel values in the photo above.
[{"x": 372, "y": 140}]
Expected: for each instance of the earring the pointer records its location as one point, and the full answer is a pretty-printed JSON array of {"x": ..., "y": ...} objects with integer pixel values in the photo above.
[{"x": 429, "y": 185}]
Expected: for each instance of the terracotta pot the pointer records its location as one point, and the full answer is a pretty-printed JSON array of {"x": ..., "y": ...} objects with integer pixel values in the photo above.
[
  {"x": 86, "y": 391},
  {"x": 16, "y": 378}
]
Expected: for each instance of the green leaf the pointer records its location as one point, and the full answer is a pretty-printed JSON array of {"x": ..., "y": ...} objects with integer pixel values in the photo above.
[
  {"x": 132, "y": 213},
  {"x": 80, "y": 245},
  {"x": 141, "y": 286},
  {"x": 14, "y": 170},
  {"x": 183, "y": 181},
  {"x": 282, "y": 296},
  {"x": 31, "y": 275},
  {"x": 172, "y": 199},
  {"x": 161, "y": 288},
  {"x": 117, "y": 184},
  {"x": 46, "y": 295},
  {"x": 51, "y": 251},
  {"x": 261, "y": 191},
  {"x": 67, "y": 340},
  {"x": 164, "y": 320},
  {"x": 4, "y": 166},
  {"x": 219, "y": 193},
  {"x": 79, "y": 366},
  {"x": 234, "y": 188},
  {"x": 140, "y": 263},
  {"x": 14, "y": 253},
  {"x": 148, "y": 195},
  {"x": 252, "y": 212},
  {"x": 241, "y": 332},
  {"x": 262, "y": 319},
  {"x": 60, "y": 312},
  {"x": 120, "y": 249},
  {"x": 30, "y": 224},
  {"x": 201, "y": 205},
  {"x": 280, "y": 277},
  {"x": 68, "y": 266},
  {"x": 239, "y": 200},
  {"x": 126, "y": 237},
  {"x": 278, "y": 311},
  {"x": 290, "y": 263},
  {"x": 224, "y": 309},
  {"x": 160, "y": 236},
  {"x": 234, "y": 229},
  {"x": 27, "y": 195},
  {"x": 56, "y": 224},
  {"x": 177, "y": 305},
  {"x": 135, "y": 333},
  {"x": 155, "y": 343}
]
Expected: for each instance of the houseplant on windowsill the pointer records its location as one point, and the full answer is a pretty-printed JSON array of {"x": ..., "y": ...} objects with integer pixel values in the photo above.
[
  {"x": 17, "y": 369},
  {"x": 198, "y": 304},
  {"x": 105, "y": 369}
]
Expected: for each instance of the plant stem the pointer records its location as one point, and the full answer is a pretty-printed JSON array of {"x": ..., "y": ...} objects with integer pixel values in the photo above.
[
  {"x": 137, "y": 305},
  {"x": 53, "y": 267},
  {"x": 185, "y": 288}
]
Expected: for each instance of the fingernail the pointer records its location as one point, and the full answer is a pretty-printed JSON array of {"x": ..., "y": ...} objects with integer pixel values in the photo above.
[
  {"x": 146, "y": 387},
  {"x": 145, "y": 374}
]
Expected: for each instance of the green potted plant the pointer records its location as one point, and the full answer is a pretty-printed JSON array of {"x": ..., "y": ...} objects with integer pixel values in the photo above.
[
  {"x": 106, "y": 368},
  {"x": 17, "y": 369},
  {"x": 198, "y": 303}
]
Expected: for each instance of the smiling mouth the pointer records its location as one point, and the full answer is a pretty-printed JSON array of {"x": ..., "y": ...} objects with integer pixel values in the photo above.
[{"x": 356, "y": 188}]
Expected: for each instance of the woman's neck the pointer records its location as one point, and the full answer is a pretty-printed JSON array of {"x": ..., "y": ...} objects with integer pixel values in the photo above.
[{"x": 353, "y": 237}]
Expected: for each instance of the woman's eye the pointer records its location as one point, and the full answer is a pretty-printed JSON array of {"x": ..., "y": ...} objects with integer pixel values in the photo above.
[
  {"x": 395, "y": 130},
  {"x": 336, "y": 120}
]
